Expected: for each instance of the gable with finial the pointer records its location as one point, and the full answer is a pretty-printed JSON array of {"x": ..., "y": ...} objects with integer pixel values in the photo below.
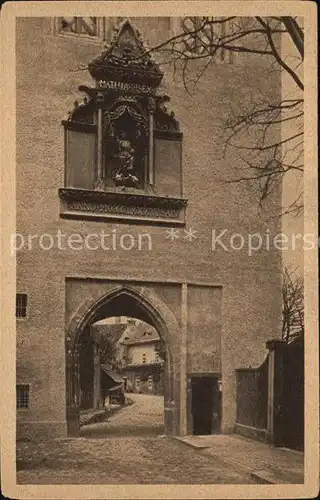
[{"x": 126, "y": 59}]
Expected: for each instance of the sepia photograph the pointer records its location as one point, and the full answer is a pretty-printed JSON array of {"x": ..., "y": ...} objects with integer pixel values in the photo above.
[{"x": 163, "y": 250}]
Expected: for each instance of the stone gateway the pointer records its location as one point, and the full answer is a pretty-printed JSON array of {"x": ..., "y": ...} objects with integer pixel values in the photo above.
[{"x": 121, "y": 160}]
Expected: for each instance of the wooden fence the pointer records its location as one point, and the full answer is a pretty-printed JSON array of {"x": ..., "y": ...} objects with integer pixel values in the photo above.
[{"x": 252, "y": 396}]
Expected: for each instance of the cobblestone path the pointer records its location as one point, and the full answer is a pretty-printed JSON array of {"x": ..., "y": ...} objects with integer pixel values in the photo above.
[{"x": 129, "y": 448}]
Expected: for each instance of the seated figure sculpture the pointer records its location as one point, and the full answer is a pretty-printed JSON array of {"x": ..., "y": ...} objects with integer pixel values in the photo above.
[{"x": 125, "y": 175}]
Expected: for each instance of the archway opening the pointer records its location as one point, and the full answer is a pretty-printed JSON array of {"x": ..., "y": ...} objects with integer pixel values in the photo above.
[{"x": 122, "y": 370}]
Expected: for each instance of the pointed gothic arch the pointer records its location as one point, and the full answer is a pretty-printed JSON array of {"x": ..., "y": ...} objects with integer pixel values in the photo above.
[{"x": 136, "y": 301}]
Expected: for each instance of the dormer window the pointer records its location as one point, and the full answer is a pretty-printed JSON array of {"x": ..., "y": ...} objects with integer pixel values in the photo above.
[{"x": 123, "y": 148}]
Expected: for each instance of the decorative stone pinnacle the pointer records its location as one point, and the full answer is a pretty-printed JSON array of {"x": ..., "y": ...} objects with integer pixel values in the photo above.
[{"x": 126, "y": 59}]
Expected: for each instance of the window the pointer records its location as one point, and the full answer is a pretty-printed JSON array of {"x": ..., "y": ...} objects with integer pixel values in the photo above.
[
  {"x": 90, "y": 28},
  {"x": 78, "y": 25},
  {"x": 150, "y": 382},
  {"x": 21, "y": 305},
  {"x": 144, "y": 358},
  {"x": 22, "y": 392},
  {"x": 156, "y": 357}
]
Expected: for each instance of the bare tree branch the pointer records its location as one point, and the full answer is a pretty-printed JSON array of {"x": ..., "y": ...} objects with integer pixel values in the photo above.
[
  {"x": 203, "y": 40},
  {"x": 292, "y": 305},
  {"x": 277, "y": 55},
  {"x": 295, "y": 32}
]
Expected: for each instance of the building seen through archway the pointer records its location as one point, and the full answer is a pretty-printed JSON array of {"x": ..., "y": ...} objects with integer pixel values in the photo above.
[{"x": 120, "y": 357}]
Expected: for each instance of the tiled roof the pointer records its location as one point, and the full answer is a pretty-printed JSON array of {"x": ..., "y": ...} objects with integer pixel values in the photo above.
[
  {"x": 113, "y": 331},
  {"x": 116, "y": 377},
  {"x": 139, "y": 333}
]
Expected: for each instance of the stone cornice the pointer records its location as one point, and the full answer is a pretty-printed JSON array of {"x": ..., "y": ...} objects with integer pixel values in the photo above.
[
  {"x": 125, "y": 206},
  {"x": 125, "y": 198}
]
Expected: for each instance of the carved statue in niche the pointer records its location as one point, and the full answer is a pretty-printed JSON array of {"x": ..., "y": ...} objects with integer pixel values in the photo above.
[
  {"x": 125, "y": 143},
  {"x": 125, "y": 175}
]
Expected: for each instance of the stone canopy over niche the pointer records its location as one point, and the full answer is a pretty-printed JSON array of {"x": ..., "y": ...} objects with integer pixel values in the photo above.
[{"x": 123, "y": 147}]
